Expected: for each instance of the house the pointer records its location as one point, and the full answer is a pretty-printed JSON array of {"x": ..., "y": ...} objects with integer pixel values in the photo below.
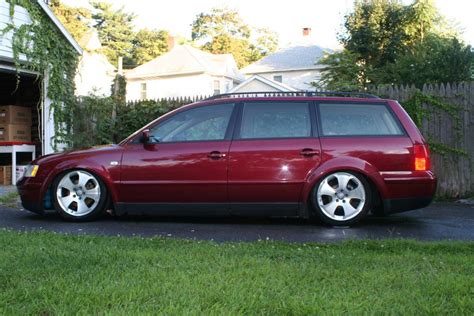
[
  {"x": 95, "y": 74},
  {"x": 295, "y": 65},
  {"x": 32, "y": 90},
  {"x": 258, "y": 83},
  {"x": 184, "y": 71}
]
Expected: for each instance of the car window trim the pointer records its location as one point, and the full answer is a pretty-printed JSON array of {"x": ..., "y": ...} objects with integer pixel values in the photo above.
[
  {"x": 238, "y": 126},
  {"x": 385, "y": 104}
]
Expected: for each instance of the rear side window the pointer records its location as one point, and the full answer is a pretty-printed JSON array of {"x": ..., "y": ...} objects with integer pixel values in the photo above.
[
  {"x": 275, "y": 120},
  {"x": 357, "y": 119}
]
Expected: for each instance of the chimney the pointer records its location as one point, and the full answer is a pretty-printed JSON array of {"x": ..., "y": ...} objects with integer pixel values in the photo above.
[
  {"x": 171, "y": 41},
  {"x": 306, "y": 31}
]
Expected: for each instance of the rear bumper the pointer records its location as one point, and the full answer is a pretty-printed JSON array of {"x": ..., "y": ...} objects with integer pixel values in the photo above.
[
  {"x": 410, "y": 191},
  {"x": 30, "y": 195}
]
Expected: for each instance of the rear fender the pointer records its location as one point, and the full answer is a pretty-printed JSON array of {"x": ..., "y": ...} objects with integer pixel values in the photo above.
[{"x": 343, "y": 164}]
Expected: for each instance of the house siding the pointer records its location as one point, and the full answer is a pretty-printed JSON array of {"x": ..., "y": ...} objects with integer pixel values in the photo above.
[
  {"x": 298, "y": 79},
  {"x": 20, "y": 17}
]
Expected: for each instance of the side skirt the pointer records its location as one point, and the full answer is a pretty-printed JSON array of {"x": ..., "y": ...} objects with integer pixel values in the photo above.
[{"x": 209, "y": 209}]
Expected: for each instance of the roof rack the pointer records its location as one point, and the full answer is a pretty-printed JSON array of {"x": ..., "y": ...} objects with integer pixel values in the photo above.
[{"x": 293, "y": 94}]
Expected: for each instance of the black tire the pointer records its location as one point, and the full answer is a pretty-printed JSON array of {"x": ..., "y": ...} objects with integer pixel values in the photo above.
[
  {"x": 98, "y": 210},
  {"x": 320, "y": 215}
]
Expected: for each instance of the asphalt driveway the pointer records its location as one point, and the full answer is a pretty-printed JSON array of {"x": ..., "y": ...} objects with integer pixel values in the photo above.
[{"x": 439, "y": 221}]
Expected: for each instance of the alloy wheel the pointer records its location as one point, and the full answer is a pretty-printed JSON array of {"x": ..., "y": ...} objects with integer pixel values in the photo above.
[
  {"x": 78, "y": 193},
  {"x": 341, "y": 196}
]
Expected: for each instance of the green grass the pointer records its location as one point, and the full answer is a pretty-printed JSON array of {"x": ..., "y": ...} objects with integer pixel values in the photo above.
[
  {"x": 10, "y": 199},
  {"x": 48, "y": 274}
]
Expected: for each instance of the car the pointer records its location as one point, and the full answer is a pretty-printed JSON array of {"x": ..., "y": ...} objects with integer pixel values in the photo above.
[{"x": 330, "y": 156}]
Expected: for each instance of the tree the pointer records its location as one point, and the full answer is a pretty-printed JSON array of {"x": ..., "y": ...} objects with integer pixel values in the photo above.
[
  {"x": 147, "y": 45},
  {"x": 115, "y": 27},
  {"x": 74, "y": 19},
  {"x": 386, "y": 42},
  {"x": 222, "y": 31}
]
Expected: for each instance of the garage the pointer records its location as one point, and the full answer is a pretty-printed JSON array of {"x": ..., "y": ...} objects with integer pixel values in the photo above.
[{"x": 26, "y": 122}]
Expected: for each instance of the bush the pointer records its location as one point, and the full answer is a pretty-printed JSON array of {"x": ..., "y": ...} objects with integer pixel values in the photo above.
[{"x": 94, "y": 122}]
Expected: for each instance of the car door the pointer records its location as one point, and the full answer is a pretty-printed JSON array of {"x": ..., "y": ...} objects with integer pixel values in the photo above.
[
  {"x": 274, "y": 149},
  {"x": 184, "y": 164}
]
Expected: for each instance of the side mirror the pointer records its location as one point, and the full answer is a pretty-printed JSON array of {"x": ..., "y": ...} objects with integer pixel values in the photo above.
[{"x": 145, "y": 138}]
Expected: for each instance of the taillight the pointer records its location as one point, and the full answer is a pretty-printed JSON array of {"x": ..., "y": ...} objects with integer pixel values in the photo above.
[{"x": 422, "y": 157}]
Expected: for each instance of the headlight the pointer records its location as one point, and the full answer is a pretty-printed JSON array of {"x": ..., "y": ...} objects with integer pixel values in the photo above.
[{"x": 30, "y": 171}]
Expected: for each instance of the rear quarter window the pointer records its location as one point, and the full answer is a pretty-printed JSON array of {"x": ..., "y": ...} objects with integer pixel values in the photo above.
[{"x": 355, "y": 119}]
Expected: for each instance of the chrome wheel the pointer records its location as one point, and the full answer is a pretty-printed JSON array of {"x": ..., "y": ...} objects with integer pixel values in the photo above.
[
  {"x": 78, "y": 193},
  {"x": 341, "y": 196}
]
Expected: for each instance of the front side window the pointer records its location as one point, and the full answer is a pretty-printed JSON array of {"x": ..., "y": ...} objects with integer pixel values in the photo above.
[
  {"x": 200, "y": 124},
  {"x": 357, "y": 119},
  {"x": 275, "y": 120}
]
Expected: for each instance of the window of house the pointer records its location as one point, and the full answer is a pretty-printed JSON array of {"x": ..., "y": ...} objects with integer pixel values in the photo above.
[
  {"x": 278, "y": 78},
  {"x": 217, "y": 87},
  {"x": 199, "y": 124},
  {"x": 143, "y": 93},
  {"x": 357, "y": 119},
  {"x": 275, "y": 120}
]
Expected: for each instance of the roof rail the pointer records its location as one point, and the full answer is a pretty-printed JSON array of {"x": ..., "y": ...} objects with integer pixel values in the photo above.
[{"x": 293, "y": 94}]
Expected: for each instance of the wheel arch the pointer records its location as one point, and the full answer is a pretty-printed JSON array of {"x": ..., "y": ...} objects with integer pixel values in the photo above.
[
  {"x": 356, "y": 165},
  {"x": 97, "y": 170}
]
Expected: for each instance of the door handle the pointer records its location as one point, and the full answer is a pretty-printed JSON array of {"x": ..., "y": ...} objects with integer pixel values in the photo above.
[
  {"x": 309, "y": 152},
  {"x": 215, "y": 155}
]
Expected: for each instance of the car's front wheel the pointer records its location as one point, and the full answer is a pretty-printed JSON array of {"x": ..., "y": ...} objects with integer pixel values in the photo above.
[
  {"x": 79, "y": 195},
  {"x": 341, "y": 198}
]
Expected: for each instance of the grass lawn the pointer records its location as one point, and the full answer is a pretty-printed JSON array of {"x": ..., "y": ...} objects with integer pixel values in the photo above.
[{"x": 48, "y": 274}]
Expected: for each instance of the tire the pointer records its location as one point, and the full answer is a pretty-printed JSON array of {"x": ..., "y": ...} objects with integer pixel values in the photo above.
[
  {"x": 79, "y": 196},
  {"x": 341, "y": 198}
]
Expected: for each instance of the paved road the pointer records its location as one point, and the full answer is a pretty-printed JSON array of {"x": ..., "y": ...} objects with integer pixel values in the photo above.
[{"x": 437, "y": 222}]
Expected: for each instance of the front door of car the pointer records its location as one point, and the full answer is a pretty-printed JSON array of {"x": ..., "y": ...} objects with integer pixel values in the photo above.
[
  {"x": 273, "y": 152},
  {"x": 183, "y": 163}
]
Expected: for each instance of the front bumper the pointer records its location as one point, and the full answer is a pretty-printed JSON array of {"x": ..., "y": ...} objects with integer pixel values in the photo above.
[{"x": 30, "y": 195}]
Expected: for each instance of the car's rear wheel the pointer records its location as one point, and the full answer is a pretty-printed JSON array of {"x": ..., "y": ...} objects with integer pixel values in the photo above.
[
  {"x": 341, "y": 198},
  {"x": 79, "y": 195}
]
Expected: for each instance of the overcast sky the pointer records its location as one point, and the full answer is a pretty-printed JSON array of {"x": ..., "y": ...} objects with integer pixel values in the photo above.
[{"x": 287, "y": 18}]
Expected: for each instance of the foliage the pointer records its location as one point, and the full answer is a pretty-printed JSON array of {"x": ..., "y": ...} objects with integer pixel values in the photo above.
[
  {"x": 73, "y": 18},
  {"x": 166, "y": 276},
  {"x": 95, "y": 123},
  {"x": 386, "y": 42},
  {"x": 222, "y": 31},
  {"x": 147, "y": 45},
  {"x": 115, "y": 29},
  {"x": 48, "y": 53}
]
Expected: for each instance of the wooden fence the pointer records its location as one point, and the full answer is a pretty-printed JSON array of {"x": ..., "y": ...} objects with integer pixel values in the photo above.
[{"x": 455, "y": 170}]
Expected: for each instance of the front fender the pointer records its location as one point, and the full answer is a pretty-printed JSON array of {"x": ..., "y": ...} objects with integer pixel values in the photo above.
[
  {"x": 86, "y": 164},
  {"x": 350, "y": 164}
]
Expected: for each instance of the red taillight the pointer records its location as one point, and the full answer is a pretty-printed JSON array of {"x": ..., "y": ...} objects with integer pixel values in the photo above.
[{"x": 422, "y": 157}]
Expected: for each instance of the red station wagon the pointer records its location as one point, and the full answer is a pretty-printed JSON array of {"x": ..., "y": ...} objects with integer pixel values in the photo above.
[{"x": 331, "y": 156}]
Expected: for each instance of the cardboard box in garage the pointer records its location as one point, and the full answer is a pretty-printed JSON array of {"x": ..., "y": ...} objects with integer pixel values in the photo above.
[
  {"x": 5, "y": 175},
  {"x": 15, "y": 133},
  {"x": 12, "y": 114}
]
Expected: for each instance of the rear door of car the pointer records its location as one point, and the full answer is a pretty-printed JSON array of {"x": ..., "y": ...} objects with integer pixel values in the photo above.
[{"x": 275, "y": 147}]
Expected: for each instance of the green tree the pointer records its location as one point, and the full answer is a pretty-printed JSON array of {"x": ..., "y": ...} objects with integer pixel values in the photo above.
[
  {"x": 147, "y": 45},
  {"x": 222, "y": 31},
  {"x": 387, "y": 42},
  {"x": 74, "y": 19},
  {"x": 115, "y": 27}
]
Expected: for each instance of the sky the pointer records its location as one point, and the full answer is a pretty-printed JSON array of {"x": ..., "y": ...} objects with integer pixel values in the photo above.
[{"x": 287, "y": 18}]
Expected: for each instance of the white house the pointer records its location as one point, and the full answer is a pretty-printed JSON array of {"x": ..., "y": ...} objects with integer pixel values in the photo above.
[
  {"x": 258, "y": 83},
  {"x": 95, "y": 74},
  {"x": 184, "y": 71},
  {"x": 295, "y": 65},
  {"x": 28, "y": 93}
]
